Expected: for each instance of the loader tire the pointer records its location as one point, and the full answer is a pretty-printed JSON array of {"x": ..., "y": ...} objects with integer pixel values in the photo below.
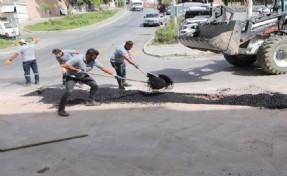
[
  {"x": 240, "y": 60},
  {"x": 272, "y": 55}
]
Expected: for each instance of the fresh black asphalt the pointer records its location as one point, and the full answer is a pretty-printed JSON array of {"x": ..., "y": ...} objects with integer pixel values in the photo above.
[{"x": 114, "y": 95}]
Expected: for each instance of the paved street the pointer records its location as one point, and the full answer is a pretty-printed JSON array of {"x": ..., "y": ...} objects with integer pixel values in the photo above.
[{"x": 136, "y": 139}]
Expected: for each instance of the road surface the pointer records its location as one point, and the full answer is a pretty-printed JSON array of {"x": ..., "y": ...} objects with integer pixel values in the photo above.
[{"x": 135, "y": 139}]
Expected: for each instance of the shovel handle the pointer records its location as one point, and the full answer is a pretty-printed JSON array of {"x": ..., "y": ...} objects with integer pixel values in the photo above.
[
  {"x": 49, "y": 83},
  {"x": 114, "y": 78},
  {"x": 142, "y": 71}
]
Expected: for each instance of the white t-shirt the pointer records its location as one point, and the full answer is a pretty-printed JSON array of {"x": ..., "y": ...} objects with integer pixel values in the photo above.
[
  {"x": 118, "y": 55},
  {"x": 27, "y": 52},
  {"x": 79, "y": 62}
]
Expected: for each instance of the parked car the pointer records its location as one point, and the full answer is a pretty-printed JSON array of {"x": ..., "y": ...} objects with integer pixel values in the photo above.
[
  {"x": 63, "y": 12},
  {"x": 8, "y": 30},
  {"x": 196, "y": 19},
  {"x": 154, "y": 19},
  {"x": 190, "y": 29},
  {"x": 265, "y": 10},
  {"x": 137, "y": 5}
]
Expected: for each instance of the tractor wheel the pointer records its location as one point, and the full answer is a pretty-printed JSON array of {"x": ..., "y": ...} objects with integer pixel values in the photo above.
[
  {"x": 240, "y": 60},
  {"x": 272, "y": 55}
]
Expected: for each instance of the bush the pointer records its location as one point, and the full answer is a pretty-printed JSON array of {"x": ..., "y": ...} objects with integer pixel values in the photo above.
[
  {"x": 121, "y": 3},
  {"x": 167, "y": 34}
]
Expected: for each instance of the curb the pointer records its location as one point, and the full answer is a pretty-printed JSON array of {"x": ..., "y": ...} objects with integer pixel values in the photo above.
[
  {"x": 145, "y": 50},
  {"x": 108, "y": 21},
  {"x": 148, "y": 53}
]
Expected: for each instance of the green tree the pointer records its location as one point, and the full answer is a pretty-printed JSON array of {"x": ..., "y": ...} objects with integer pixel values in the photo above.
[
  {"x": 97, "y": 3},
  {"x": 47, "y": 8},
  {"x": 81, "y": 2}
]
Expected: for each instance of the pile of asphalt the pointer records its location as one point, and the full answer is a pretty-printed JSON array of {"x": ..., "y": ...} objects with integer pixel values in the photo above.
[{"x": 113, "y": 95}]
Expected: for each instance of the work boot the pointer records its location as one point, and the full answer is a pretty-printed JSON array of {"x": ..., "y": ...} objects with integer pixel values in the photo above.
[
  {"x": 27, "y": 84},
  {"x": 92, "y": 103},
  {"x": 122, "y": 88},
  {"x": 127, "y": 85},
  {"x": 63, "y": 113},
  {"x": 37, "y": 82}
]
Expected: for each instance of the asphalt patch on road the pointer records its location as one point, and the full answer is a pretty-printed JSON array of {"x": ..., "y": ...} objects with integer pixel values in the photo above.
[{"x": 113, "y": 95}]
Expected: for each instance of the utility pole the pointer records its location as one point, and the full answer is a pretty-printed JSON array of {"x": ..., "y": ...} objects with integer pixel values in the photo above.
[
  {"x": 249, "y": 9},
  {"x": 175, "y": 16}
]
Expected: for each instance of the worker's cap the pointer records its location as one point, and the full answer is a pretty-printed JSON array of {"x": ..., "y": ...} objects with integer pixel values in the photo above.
[{"x": 22, "y": 41}]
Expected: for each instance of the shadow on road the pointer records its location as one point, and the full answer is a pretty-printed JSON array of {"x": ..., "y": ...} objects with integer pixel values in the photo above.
[{"x": 199, "y": 74}]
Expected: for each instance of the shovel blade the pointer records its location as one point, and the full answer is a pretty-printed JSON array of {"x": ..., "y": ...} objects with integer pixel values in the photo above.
[{"x": 150, "y": 75}]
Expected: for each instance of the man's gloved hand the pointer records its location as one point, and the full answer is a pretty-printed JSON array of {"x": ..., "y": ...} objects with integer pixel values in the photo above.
[
  {"x": 137, "y": 66},
  {"x": 8, "y": 62},
  {"x": 117, "y": 76},
  {"x": 81, "y": 72}
]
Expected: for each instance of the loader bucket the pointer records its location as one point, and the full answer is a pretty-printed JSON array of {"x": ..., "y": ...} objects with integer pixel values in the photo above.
[{"x": 216, "y": 37}]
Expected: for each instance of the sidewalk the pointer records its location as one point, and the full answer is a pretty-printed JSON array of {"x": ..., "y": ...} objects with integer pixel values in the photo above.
[{"x": 172, "y": 50}]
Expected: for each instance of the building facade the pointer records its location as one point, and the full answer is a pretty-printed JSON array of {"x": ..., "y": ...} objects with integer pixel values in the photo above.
[{"x": 25, "y": 10}]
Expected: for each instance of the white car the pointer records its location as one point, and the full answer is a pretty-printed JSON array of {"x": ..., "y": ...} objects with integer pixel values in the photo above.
[
  {"x": 190, "y": 29},
  {"x": 154, "y": 19},
  {"x": 195, "y": 20},
  {"x": 137, "y": 5},
  {"x": 266, "y": 10},
  {"x": 8, "y": 30},
  {"x": 202, "y": 18}
]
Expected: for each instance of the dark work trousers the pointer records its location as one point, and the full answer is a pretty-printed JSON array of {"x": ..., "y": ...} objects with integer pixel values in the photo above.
[
  {"x": 64, "y": 78},
  {"x": 26, "y": 66},
  {"x": 120, "y": 68},
  {"x": 70, "y": 84}
]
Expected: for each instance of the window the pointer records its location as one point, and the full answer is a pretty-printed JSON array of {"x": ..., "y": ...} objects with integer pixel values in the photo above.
[
  {"x": 193, "y": 13},
  {"x": 8, "y": 8},
  {"x": 9, "y": 25},
  {"x": 151, "y": 15}
]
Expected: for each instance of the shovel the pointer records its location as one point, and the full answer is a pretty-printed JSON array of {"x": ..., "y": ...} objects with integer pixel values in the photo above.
[
  {"x": 153, "y": 82},
  {"x": 149, "y": 75},
  {"x": 120, "y": 77},
  {"x": 158, "y": 82},
  {"x": 40, "y": 90}
]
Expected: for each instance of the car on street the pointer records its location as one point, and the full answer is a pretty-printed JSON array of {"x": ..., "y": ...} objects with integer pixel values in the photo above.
[
  {"x": 63, "y": 12},
  {"x": 265, "y": 10},
  {"x": 154, "y": 19},
  {"x": 136, "y": 5},
  {"x": 8, "y": 30},
  {"x": 191, "y": 21},
  {"x": 189, "y": 29},
  {"x": 196, "y": 19}
]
